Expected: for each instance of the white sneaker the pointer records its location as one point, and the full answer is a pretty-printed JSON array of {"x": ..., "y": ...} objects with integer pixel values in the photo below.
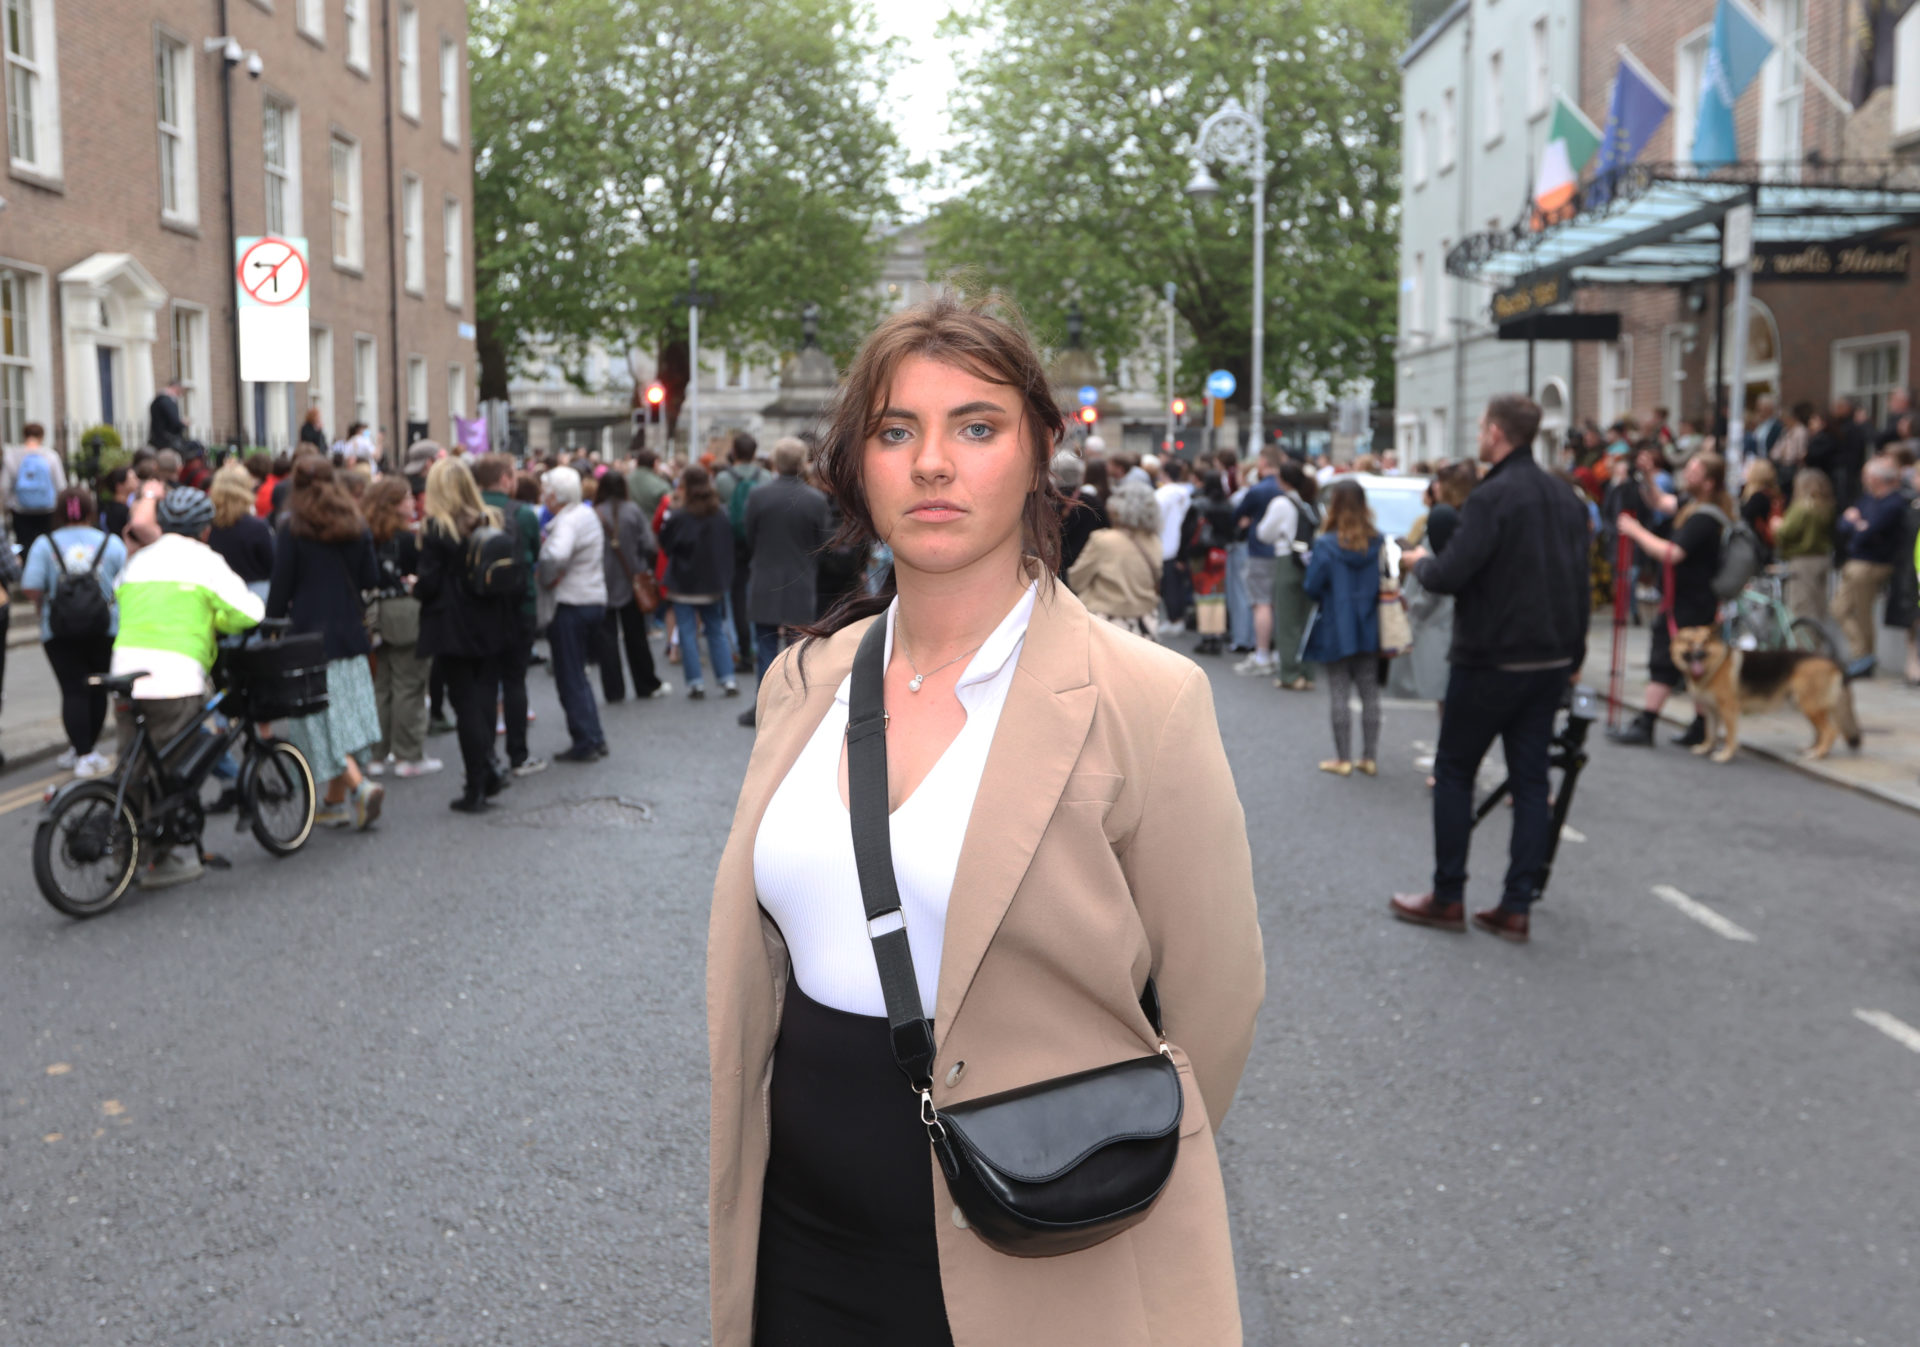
[
  {"x": 333, "y": 815},
  {"x": 1253, "y": 664},
  {"x": 378, "y": 767},
  {"x": 424, "y": 767},
  {"x": 92, "y": 765},
  {"x": 171, "y": 868},
  {"x": 530, "y": 767},
  {"x": 664, "y": 690},
  {"x": 66, "y": 760}
]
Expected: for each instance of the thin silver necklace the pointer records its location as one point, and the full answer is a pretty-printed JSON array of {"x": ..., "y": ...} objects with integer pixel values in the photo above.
[{"x": 913, "y": 684}]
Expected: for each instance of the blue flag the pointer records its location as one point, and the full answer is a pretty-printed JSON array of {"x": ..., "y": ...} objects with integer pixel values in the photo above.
[
  {"x": 1740, "y": 47},
  {"x": 1639, "y": 106}
]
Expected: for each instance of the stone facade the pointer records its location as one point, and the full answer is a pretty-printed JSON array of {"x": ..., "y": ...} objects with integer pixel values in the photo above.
[{"x": 149, "y": 288}]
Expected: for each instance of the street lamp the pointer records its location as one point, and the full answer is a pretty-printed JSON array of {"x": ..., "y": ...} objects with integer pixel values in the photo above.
[{"x": 1238, "y": 135}]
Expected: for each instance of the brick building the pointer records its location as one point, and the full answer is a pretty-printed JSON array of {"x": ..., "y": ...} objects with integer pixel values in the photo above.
[
  {"x": 140, "y": 144},
  {"x": 1807, "y": 340}
]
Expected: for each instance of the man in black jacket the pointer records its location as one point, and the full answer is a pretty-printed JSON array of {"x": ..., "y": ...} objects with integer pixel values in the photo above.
[
  {"x": 1518, "y": 568},
  {"x": 165, "y": 426},
  {"x": 788, "y": 524}
]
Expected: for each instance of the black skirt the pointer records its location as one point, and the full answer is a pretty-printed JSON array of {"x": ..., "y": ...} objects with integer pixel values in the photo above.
[{"x": 847, "y": 1251}]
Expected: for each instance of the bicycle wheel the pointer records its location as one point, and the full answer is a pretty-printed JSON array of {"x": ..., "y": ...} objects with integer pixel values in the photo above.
[
  {"x": 1807, "y": 635},
  {"x": 85, "y": 851},
  {"x": 279, "y": 797}
]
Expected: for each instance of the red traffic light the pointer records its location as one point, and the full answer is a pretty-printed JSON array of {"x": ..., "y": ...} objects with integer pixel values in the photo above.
[
  {"x": 1088, "y": 415},
  {"x": 1179, "y": 406},
  {"x": 656, "y": 393}
]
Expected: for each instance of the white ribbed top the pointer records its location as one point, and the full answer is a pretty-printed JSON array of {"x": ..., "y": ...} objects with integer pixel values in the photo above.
[{"x": 803, "y": 864}]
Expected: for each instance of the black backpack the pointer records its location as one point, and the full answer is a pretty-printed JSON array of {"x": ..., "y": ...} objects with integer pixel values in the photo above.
[
  {"x": 78, "y": 606},
  {"x": 494, "y": 567},
  {"x": 1305, "y": 530}
]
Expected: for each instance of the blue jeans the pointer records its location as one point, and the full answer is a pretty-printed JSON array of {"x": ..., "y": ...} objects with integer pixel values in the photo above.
[
  {"x": 693, "y": 619},
  {"x": 572, "y": 636},
  {"x": 1239, "y": 602},
  {"x": 767, "y": 646}
]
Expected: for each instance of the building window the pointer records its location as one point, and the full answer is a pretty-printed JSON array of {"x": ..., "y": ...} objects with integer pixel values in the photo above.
[
  {"x": 1866, "y": 369},
  {"x": 310, "y": 17},
  {"x": 33, "y": 87},
  {"x": 320, "y": 378},
  {"x": 456, "y": 399},
  {"x": 190, "y": 360},
  {"x": 1540, "y": 71},
  {"x": 1496, "y": 110},
  {"x": 416, "y": 389},
  {"x": 358, "y": 37},
  {"x": 16, "y": 357},
  {"x": 450, "y": 76},
  {"x": 1782, "y": 81},
  {"x": 1417, "y": 148},
  {"x": 280, "y": 150},
  {"x": 1442, "y": 295},
  {"x": 1415, "y": 289},
  {"x": 452, "y": 243},
  {"x": 348, "y": 244},
  {"x": 1906, "y": 75},
  {"x": 1616, "y": 379},
  {"x": 412, "y": 227},
  {"x": 409, "y": 62},
  {"x": 366, "y": 380},
  {"x": 173, "y": 88},
  {"x": 1449, "y": 131},
  {"x": 1689, "y": 69}
]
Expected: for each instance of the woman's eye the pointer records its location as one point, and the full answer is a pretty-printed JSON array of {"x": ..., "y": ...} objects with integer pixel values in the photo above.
[
  {"x": 893, "y": 435},
  {"x": 979, "y": 430}
]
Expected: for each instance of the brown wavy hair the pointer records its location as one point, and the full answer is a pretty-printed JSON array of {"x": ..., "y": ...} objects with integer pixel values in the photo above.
[
  {"x": 382, "y": 502},
  {"x": 696, "y": 489},
  {"x": 1347, "y": 516},
  {"x": 984, "y": 337},
  {"x": 321, "y": 509}
]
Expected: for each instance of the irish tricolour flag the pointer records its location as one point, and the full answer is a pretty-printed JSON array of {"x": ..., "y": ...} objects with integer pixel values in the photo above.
[{"x": 1572, "y": 141}]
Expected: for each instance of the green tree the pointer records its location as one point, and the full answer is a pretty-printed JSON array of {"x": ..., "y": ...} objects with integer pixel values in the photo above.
[
  {"x": 616, "y": 139},
  {"x": 1076, "y": 125}
]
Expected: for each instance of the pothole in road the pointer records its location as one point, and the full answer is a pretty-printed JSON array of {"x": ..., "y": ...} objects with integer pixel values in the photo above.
[{"x": 599, "y": 811}]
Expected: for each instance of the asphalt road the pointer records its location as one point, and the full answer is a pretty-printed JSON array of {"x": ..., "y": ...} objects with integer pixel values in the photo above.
[{"x": 446, "y": 1083}]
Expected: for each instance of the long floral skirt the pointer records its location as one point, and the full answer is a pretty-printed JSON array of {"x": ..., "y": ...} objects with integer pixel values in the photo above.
[{"x": 349, "y": 725}]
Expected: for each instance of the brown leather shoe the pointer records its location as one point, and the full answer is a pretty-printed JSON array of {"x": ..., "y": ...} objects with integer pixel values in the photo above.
[
  {"x": 1507, "y": 925},
  {"x": 1422, "y": 910}
]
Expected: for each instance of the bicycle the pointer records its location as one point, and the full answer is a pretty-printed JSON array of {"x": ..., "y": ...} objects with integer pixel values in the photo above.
[
  {"x": 1759, "y": 619},
  {"x": 87, "y": 845}
]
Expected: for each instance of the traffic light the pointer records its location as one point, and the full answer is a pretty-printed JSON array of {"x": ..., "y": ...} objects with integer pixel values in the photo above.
[
  {"x": 1089, "y": 415},
  {"x": 1179, "y": 406},
  {"x": 656, "y": 393}
]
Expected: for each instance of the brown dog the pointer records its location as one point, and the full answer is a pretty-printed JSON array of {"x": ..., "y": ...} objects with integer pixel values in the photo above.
[{"x": 1725, "y": 681}]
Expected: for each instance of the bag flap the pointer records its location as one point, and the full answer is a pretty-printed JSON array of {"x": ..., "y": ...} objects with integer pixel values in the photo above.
[{"x": 1039, "y": 1132}]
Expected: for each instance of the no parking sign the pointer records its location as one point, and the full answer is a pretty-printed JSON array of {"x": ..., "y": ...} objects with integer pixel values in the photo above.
[{"x": 271, "y": 292}]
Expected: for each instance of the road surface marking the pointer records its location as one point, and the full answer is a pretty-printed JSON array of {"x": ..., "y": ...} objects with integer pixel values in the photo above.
[
  {"x": 1701, "y": 913},
  {"x": 22, "y": 796},
  {"x": 1571, "y": 834},
  {"x": 1892, "y": 1026}
]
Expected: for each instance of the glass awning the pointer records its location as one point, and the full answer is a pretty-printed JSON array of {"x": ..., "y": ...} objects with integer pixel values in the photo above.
[{"x": 1659, "y": 224}]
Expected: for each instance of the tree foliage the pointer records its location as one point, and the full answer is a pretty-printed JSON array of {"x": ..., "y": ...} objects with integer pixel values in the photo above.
[
  {"x": 616, "y": 139},
  {"x": 1077, "y": 124}
]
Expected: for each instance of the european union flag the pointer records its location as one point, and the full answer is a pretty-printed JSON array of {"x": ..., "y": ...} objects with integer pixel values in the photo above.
[
  {"x": 1740, "y": 47},
  {"x": 1639, "y": 105}
]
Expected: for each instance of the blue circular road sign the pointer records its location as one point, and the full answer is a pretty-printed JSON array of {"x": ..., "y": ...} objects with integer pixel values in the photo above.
[
  {"x": 1088, "y": 395},
  {"x": 1220, "y": 384}
]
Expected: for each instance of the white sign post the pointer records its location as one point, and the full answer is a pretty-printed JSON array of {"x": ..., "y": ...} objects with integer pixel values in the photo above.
[
  {"x": 271, "y": 292},
  {"x": 1736, "y": 254}
]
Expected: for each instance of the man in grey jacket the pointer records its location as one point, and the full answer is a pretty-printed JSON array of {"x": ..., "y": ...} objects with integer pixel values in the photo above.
[{"x": 788, "y": 524}]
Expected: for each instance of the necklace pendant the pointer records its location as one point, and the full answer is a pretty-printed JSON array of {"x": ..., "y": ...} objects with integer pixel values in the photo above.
[{"x": 913, "y": 684}]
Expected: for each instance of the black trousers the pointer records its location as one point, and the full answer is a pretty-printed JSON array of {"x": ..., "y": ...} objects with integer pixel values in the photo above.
[
  {"x": 626, "y": 624},
  {"x": 470, "y": 688},
  {"x": 1518, "y": 709},
  {"x": 512, "y": 666},
  {"x": 1176, "y": 589},
  {"x": 83, "y": 710},
  {"x": 847, "y": 1252},
  {"x": 737, "y": 592}
]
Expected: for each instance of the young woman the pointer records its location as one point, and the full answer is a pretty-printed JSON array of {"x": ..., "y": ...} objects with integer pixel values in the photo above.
[
  {"x": 1343, "y": 576},
  {"x": 1804, "y": 540},
  {"x": 1288, "y": 526},
  {"x": 698, "y": 543},
  {"x": 1117, "y": 575},
  {"x": 241, "y": 537},
  {"x": 630, "y": 551},
  {"x": 322, "y": 563},
  {"x": 76, "y": 546},
  {"x": 464, "y": 631},
  {"x": 1064, "y": 823},
  {"x": 399, "y": 669}
]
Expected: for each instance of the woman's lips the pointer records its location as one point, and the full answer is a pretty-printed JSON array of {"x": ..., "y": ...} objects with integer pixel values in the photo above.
[{"x": 935, "y": 511}]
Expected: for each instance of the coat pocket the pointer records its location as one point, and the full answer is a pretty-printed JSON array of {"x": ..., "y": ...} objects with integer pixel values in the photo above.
[{"x": 1092, "y": 788}]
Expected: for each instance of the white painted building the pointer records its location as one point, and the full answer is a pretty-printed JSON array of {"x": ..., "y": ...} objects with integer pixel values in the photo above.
[{"x": 1477, "y": 92}]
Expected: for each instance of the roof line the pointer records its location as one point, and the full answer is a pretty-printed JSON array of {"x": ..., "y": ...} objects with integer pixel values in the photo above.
[{"x": 1434, "y": 29}]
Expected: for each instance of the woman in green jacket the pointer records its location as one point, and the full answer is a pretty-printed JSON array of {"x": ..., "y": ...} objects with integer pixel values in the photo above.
[{"x": 1804, "y": 540}]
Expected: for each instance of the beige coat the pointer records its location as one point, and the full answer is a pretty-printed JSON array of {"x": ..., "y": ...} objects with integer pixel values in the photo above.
[
  {"x": 1117, "y": 573},
  {"x": 1106, "y": 843}
]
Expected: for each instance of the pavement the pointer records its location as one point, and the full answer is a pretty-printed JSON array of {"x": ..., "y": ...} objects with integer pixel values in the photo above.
[{"x": 446, "y": 1082}]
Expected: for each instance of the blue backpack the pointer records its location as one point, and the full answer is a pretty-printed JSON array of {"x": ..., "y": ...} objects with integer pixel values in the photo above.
[{"x": 33, "y": 491}]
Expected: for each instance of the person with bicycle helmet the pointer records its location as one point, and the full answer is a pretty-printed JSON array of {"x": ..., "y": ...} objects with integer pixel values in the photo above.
[{"x": 177, "y": 596}]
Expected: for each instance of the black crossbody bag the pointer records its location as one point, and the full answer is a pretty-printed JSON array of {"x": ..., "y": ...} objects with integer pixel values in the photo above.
[{"x": 1047, "y": 1168}]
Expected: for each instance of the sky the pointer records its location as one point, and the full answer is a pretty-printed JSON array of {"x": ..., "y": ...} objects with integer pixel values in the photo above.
[{"x": 916, "y": 100}]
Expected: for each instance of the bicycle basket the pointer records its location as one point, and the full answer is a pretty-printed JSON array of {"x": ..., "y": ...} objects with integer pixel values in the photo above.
[{"x": 280, "y": 679}]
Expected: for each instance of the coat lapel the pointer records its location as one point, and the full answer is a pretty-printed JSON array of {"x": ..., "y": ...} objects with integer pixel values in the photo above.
[{"x": 1043, "y": 726}]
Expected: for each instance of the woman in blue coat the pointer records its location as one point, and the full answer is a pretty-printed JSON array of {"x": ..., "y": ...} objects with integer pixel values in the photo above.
[{"x": 1343, "y": 576}]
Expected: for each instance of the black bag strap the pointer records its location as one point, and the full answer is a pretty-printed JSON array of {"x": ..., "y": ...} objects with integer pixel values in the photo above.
[{"x": 910, "y": 1031}]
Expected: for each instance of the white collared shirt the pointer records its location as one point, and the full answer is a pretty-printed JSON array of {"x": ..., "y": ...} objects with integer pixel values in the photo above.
[
  {"x": 1175, "y": 499},
  {"x": 803, "y": 867}
]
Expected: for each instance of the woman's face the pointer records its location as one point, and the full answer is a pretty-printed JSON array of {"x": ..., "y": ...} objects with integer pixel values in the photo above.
[{"x": 949, "y": 469}]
